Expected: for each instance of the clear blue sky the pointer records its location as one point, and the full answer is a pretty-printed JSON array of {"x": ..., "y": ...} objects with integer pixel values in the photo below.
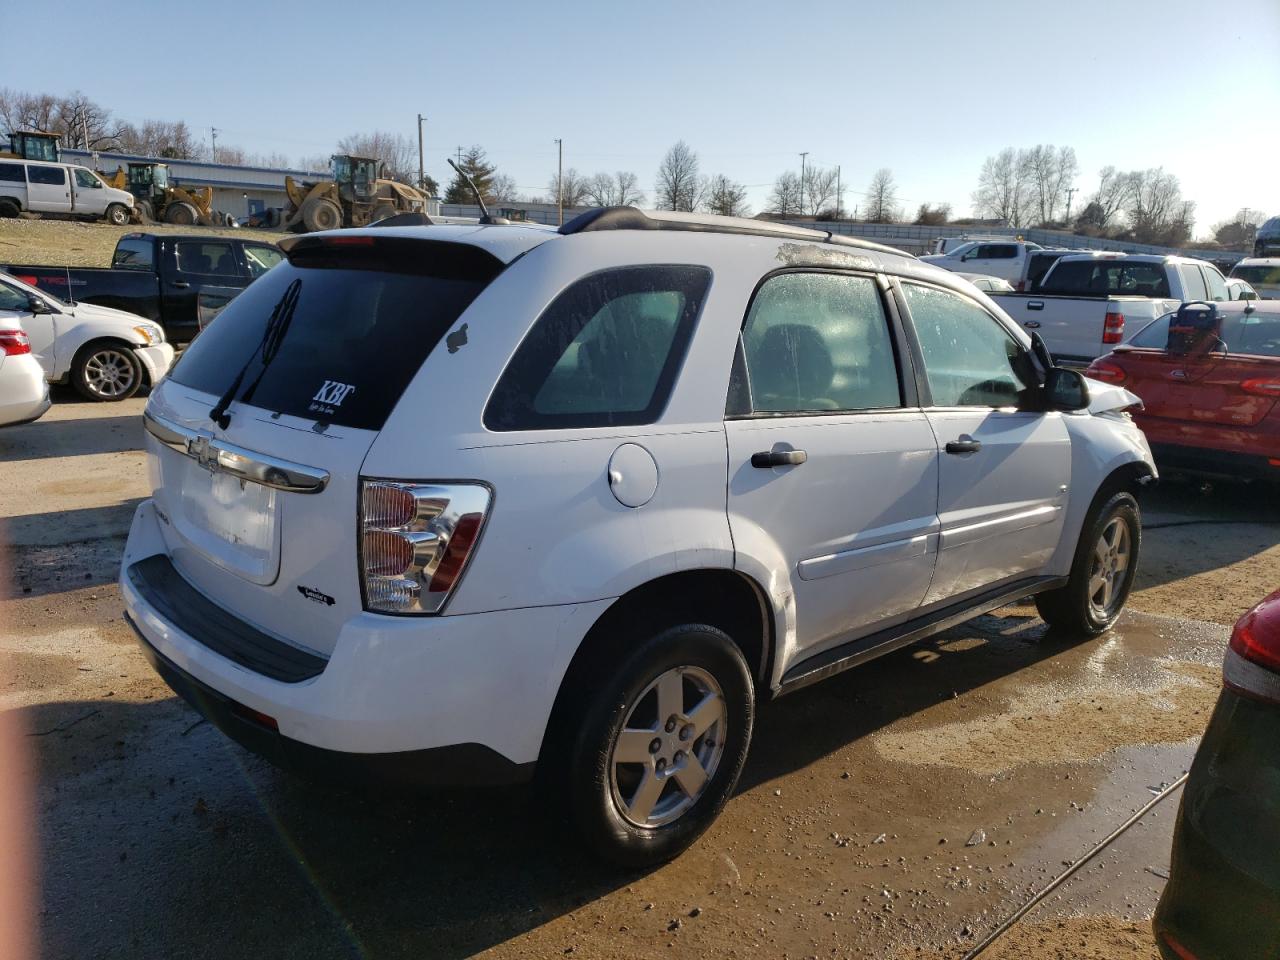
[{"x": 927, "y": 89}]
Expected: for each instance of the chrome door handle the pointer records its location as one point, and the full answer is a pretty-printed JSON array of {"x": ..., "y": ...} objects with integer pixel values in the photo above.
[
  {"x": 1035, "y": 304},
  {"x": 179, "y": 284},
  {"x": 963, "y": 446},
  {"x": 779, "y": 458}
]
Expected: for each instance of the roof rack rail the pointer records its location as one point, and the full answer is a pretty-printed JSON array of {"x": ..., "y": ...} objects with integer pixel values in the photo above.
[{"x": 631, "y": 218}]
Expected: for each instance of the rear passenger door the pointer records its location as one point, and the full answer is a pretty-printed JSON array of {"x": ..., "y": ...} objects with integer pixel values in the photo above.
[
  {"x": 833, "y": 468},
  {"x": 192, "y": 266},
  {"x": 1005, "y": 466}
]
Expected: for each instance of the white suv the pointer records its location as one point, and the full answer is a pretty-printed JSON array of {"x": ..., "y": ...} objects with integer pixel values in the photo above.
[{"x": 451, "y": 503}]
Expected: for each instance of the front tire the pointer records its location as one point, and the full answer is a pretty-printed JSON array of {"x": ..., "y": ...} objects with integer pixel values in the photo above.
[
  {"x": 320, "y": 214},
  {"x": 660, "y": 745},
  {"x": 106, "y": 372},
  {"x": 1102, "y": 573},
  {"x": 118, "y": 215}
]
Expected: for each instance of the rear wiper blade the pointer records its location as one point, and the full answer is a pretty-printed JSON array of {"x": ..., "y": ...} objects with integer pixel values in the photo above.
[{"x": 268, "y": 347}]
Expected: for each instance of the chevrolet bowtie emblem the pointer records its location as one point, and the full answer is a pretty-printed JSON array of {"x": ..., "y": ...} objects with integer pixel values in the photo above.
[{"x": 203, "y": 452}]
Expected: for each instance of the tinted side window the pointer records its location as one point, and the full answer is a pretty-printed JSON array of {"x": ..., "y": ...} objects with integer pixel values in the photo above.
[
  {"x": 12, "y": 173},
  {"x": 133, "y": 254},
  {"x": 604, "y": 353},
  {"x": 1217, "y": 286},
  {"x": 11, "y": 298},
  {"x": 1255, "y": 334},
  {"x": 51, "y": 175},
  {"x": 1068, "y": 277},
  {"x": 1193, "y": 281},
  {"x": 969, "y": 359},
  {"x": 1001, "y": 251},
  {"x": 198, "y": 256},
  {"x": 819, "y": 342}
]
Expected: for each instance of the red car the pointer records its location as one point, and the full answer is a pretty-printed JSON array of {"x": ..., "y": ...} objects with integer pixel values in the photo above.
[{"x": 1209, "y": 379}]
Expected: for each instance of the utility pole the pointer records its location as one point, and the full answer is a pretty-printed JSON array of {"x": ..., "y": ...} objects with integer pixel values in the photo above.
[
  {"x": 839, "y": 192},
  {"x": 560, "y": 181},
  {"x": 1071, "y": 192},
  {"x": 213, "y": 140},
  {"x": 422, "y": 174},
  {"x": 803, "y": 190}
]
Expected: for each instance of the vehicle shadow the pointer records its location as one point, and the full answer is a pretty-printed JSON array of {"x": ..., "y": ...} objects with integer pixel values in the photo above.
[
  {"x": 46, "y": 439},
  {"x": 48, "y": 553},
  {"x": 195, "y": 848}
]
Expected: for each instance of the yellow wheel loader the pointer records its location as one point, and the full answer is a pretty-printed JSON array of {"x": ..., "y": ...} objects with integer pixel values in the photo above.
[
  {"x": 163, "y": 201},
  {"x": 33, "y": 145},
  {"x": 356, "y": 197}
]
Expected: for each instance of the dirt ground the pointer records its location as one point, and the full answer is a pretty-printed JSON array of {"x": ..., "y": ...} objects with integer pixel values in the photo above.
[
  {"x": 77, "y": 244},
  {"x": 902, "y": 809}
]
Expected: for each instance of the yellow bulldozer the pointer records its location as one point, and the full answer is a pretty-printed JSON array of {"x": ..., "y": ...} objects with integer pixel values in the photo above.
[
  {"x": 355, "y": 197},
  {"x": 161, "y": 200}
]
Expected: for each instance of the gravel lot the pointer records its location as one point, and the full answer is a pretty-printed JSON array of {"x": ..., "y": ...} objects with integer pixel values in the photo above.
[
  {"x": 848, "y": 837},
  {"x": 76, "y": 244}
]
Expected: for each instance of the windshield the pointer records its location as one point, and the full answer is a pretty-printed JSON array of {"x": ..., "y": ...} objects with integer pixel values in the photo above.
[
  {"x": 1253, "y": 333},
  {"x": 365, "y": 319},
  {"x": 1264, "y": 275}
]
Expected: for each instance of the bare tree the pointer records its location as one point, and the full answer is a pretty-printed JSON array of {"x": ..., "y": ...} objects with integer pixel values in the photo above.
[
  {"x": 160, "y": 138},
  {"x": 1051, "y": 171},
  {"x": 620, "y": 189},
  {"x": 1239, "y": 232},
  {"x": 727, "y": 197},
  {"x": 819, "y": 189},
  {"x": 79, "y": 122},
  {"x": 503, "y": 189},
  {"x": 398, "y": 154},
  {"x": 575, "y": 188},
  {"x": 1115, "y": 189},
  {"x": 881, "y": 204},
  {"x": 785, "y": 199},
  {"x": 1004, "y": 187},
  {"x": 1157, "y": 212},
  {"x": 678, "y": 185},
  {"x": 931, "y": 215}
]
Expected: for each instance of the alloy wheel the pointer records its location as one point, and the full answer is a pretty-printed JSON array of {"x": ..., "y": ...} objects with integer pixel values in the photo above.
[
  {"x": 1109, "y": 568},
  {"x": 109, "y": 374}
]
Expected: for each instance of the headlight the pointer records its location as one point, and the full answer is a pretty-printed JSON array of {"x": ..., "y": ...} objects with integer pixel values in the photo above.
[{"x": 149, "y": 332}]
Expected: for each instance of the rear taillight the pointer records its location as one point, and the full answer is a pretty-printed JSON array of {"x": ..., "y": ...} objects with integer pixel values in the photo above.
[
  {"x": 1262, "y": 387},
  {"x": 14, "y": 342},
  {"x": 1106, "y": 372},
  {"x": 1252, "y": 665},
  {"x": 1179, "y": 951},
  {"x": 1113, "y": 328},
  {"x": 415, "y": 541}
]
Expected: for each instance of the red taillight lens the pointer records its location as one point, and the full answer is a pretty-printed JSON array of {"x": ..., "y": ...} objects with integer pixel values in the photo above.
[
  {"x": 1262, "y": 386},
  {"x": 1252, "y": 665},
  {"x": 14, "y": 342},
  {"x": 345, "y": 241},
  {"x": 1181, "y": 952},
  {"x": 415, "y": 541},
  {"x": 1106, "y": 372},
  {"x": 1113, "y": 328}
]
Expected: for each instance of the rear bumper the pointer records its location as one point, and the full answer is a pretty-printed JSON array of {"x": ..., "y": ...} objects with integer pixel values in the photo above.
[
  {"x": 24, "y": 394},
  {"x": 468, "y": 696}
]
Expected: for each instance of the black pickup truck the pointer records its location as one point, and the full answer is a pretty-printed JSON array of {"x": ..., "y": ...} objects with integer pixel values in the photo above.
[{"x": 179, "y": 281}]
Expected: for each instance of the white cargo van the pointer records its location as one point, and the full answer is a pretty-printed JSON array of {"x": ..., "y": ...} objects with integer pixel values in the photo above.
[{"x": 60, "y": 188}]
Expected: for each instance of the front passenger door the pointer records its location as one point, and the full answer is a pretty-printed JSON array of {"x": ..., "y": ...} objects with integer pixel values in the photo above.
[
  {"x": 833, "y": 469},
  {"x": 1005, "y": 466}
]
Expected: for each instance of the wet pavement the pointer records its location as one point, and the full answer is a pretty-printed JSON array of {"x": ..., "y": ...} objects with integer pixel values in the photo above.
[{"x": 903, "y": 808}]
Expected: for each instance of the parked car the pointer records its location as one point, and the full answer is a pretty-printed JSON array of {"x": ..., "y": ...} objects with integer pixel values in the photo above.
[
  {"x": 1087, "y": 303},
  {"x": 1266, "y": 241},
  {"x": 105, "y": 354},
  {"x": 1238, "y": 289},
  {"x": 1261, "y": 273},
  {"x": 987, "y": 284},
  {"x": 1224, "y": 876},
  {"x": 995, "y": 258},
  {"x": 479, "y": 506},
  {"x": 1208, "y": 398},
  {"x": 24, "y": 392},
  {"x": 161, "y": 277},
  {"x": 60, "y": 188}
]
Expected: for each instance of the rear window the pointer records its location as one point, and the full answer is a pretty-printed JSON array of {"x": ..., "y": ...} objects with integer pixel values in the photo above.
[
  {"x": 1038, "y": 265},
  {"x": 1256, "y": 334},
  {"x": 605, "y": 353},
  {"x": 133, "y": 254},
  {"x": 12, "y": 173},
  {"x": 1106, "y": 278},
  {"x": 366, "y": 317}
]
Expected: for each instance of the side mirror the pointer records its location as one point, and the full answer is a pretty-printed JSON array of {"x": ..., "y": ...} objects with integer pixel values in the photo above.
[
  {"x": 1065, "y": 390},
  {"x": 36, "y": 305}
]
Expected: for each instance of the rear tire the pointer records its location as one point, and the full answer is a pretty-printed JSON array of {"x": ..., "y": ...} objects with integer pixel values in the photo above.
[
  {"x": 658, "y": 746},
  {"x": 117, "y": 215},
  {"x": 181, "y": 214},
  {"x": 321, "y": 214},
  {"x": 106, "y": 372},
  {"x": 9, "y": 209},
  {"x": 1102, "y": 573}
]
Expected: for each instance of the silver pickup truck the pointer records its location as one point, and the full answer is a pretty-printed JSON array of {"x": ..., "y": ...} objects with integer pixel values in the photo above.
[{"x": 1087, "y": 303}]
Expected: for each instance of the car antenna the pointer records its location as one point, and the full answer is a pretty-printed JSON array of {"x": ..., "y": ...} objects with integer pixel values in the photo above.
[
  {"x": 71, "y": 296},
  {"x": 484, "y": 210}
]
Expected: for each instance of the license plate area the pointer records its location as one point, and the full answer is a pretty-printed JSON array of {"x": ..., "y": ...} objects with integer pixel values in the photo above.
[{"x": 231, "y": 522}]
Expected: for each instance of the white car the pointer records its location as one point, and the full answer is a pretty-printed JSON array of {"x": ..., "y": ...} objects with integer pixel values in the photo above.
[
  {"x": 993, "y": 258},
  {"x": 106, "y": 354},
  {"x": 987, "y": 284},
  {"x": 490, "y": 499},
  {"x": 1238, "y": 289},
  {"x": 24, "y": 392},
  {"x": 1261, "y": 273}
]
